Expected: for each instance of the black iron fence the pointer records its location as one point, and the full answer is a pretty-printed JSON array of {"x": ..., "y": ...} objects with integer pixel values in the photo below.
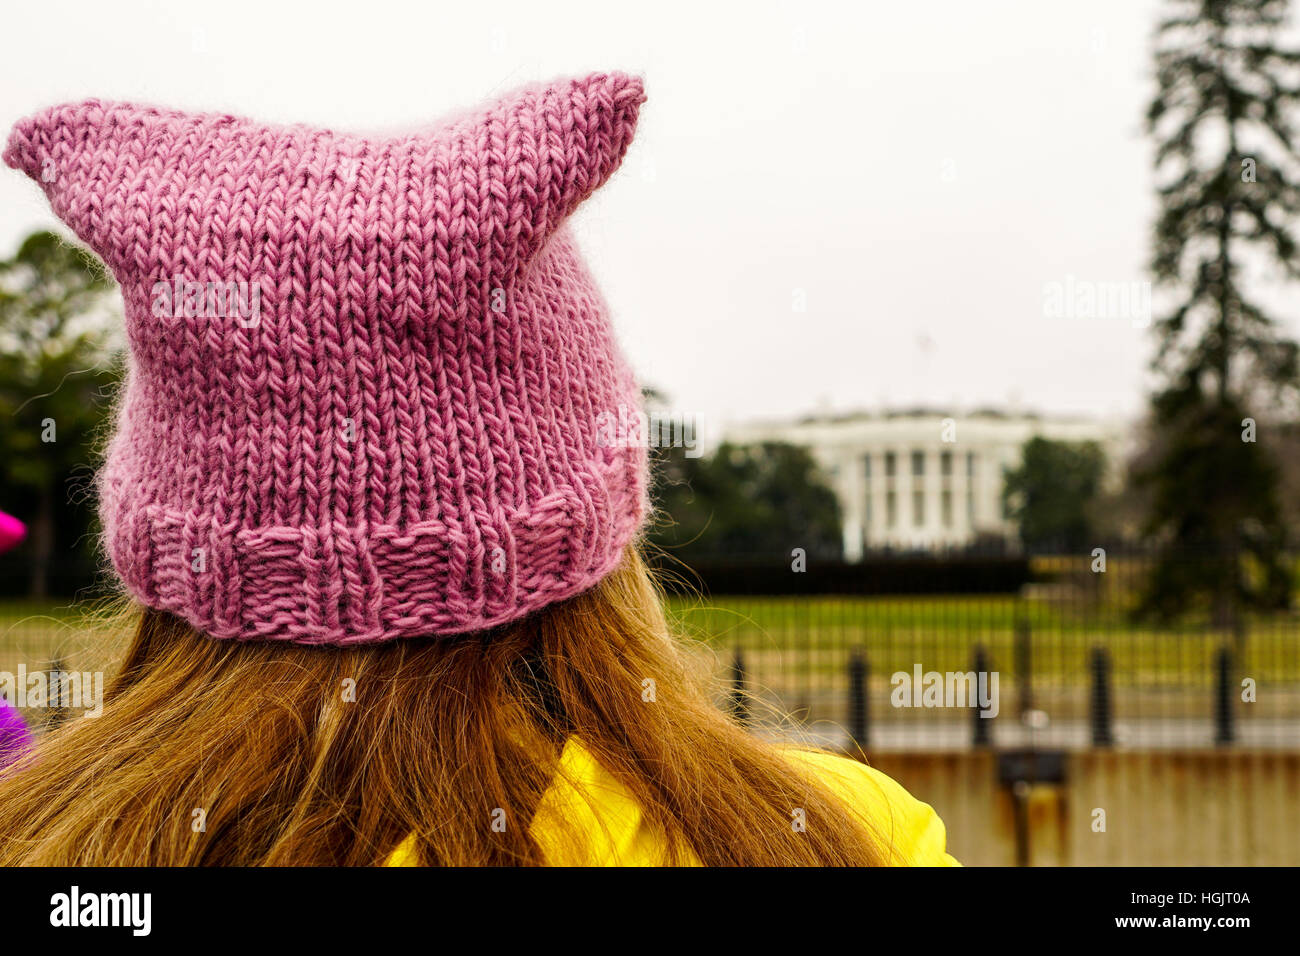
[
  {"x": 1059, "y": 660},
  {"x": 934, "y": 652}
]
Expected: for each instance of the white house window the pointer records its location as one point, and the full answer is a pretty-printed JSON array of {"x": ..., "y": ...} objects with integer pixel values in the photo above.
[{"x": 866, "y": 485}]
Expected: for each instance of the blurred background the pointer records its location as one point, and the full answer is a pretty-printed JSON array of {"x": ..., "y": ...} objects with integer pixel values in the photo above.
[{"x": 968, "y": 335}]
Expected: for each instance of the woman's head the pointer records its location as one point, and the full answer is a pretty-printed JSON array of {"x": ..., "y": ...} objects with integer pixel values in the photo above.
[
  {"x": 377, "y": 472},
  {"x": 223, "y": 752}
]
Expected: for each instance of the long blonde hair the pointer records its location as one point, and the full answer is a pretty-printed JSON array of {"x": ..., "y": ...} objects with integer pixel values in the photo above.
[{"x": 305, "y": 755}]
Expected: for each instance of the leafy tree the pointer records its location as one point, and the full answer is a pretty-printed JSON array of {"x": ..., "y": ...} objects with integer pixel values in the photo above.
[
  {"x": 744, "y": 501},
  {"x": 1052, "y": 493},
  {"x": 57, "y": 346},
  {"x": 1225, "y": 164}
]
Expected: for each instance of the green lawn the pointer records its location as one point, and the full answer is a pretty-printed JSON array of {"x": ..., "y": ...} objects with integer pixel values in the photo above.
[
  {"x": 816, "y": 634},
  {"x": 808, "y": 638},
  {"x": 40, "y": 633}
]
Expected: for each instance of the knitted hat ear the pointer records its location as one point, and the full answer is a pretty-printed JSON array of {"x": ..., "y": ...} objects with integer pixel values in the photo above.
[
  {"x": 554, "y": 147},
  {"x": 86, "y": 157}
]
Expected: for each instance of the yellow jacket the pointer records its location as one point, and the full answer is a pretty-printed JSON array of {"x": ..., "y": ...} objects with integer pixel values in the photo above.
[{"x": 587, "y": 798}]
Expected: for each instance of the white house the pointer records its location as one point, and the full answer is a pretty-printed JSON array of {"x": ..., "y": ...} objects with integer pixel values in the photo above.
[{"x": 924, "y": 479}]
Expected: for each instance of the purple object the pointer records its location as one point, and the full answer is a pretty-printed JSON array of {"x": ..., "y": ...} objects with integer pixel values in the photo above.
[
  {"x": 15, "y": 739},
  {"x": 12, "y": 532}
]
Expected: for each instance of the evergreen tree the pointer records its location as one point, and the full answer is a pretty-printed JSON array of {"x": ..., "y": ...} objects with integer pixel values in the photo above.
[
  {"x": 59, "y": 341},
  {"x": 744, "y": 502},
  {"x": 1052, "y": 494},
  {"x": 1226, "y": 168}
]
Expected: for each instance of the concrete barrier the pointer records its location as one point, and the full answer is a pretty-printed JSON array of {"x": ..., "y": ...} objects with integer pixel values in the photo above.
[{"x": 1161, "y": 807}]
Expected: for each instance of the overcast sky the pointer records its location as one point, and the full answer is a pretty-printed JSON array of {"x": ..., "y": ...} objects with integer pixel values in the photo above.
[{"x": 915, "y": 174}]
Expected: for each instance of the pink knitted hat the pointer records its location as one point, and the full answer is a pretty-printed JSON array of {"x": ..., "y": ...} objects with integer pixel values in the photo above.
[{"x": 370, "y": 380}]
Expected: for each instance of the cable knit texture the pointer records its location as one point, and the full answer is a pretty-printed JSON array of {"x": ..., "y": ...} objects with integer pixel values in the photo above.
[{"x": 370, "y": 380}]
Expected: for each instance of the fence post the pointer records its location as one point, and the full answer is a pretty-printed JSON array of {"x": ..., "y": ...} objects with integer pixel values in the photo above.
[
  {"x": 1223, "y": 724},
  {"x": 1100, "y": 709},
  {"x": 983, "y": 729},
  {"x": 858, "y": 672},
  {"x": 56, "y": 712},
  {"x": 1024, "y": 665},
  {"x": 739, "y": 699}
]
